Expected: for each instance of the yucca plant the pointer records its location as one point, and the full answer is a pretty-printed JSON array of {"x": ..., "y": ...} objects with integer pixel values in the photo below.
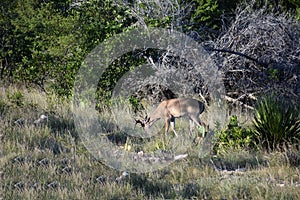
[{"x": 276, "y": 123}]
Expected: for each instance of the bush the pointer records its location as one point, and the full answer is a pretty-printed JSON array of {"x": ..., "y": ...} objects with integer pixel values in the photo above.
[
  {"x": 234, "y": 137},
  {"x": 276, "y": 123},
  {"x": 16, "y": 98}
]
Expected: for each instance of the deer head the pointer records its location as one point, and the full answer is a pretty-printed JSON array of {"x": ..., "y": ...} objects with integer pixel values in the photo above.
[
  {"x": 138, "y": 121},
  {"x": 141, "y": 121}
]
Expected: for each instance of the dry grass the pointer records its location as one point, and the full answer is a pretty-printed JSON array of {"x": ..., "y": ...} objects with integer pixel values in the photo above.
[{"x": 50, "y": 162}]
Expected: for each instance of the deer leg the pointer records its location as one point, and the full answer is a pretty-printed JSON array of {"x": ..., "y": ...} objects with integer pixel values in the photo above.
[
  {"x": 192, "y": 124},
  {"x": 172, "y": 120},
  {"x": 196, "y": 121},
  {"x": 199, "y": 123},
  {"x": 167, "y": 125}
]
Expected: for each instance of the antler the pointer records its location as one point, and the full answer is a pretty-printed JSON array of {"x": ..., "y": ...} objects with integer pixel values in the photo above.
[{"x": 138, "y": 121}]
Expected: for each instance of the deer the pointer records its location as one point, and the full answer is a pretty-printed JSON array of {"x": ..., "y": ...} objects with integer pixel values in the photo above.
[{"x": 174, "y": 108}]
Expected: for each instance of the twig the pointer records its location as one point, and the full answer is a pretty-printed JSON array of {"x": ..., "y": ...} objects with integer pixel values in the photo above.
[{"x": 239, "y": 54}]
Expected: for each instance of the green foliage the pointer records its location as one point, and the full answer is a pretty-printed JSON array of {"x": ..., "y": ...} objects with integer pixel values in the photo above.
[
  {"x": 16, "y": 98},
  {"x": 135, "y": 104},
  {"x": 113, "y": 73},
  {"x": 276, "y": 122},
  {"x": 234, "y": 137},
  {"x": 40, "y": 48},
  {"x": 44, "y": 43},
  {"x": 2, "y": 107},
  {"x": 209, "y": 16},
  {"x": 117, "y": 69},
  {"x": 207, "y": 12},
  {"x": 164, "y": 22},
  {"x": 287, "y": 6}
]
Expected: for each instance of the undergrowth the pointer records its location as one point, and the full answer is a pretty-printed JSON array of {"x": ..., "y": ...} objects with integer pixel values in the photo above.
[{"x": 49, "y": 161}]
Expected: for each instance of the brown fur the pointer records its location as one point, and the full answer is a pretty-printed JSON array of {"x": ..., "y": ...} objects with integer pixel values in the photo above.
[{"x": 175, "y": 108}]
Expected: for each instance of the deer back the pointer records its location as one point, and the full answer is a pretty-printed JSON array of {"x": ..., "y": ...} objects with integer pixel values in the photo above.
[{"x": 185, "y": 106}]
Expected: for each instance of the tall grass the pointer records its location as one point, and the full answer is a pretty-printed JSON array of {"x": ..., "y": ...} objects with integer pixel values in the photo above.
[{"x": 51, "y": 162}]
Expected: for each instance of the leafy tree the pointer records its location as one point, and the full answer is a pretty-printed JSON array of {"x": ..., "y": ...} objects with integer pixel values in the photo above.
[
  {"x": 6, "y": 39},
  {"x": 44, "y": 42},
  {"x": 39, "y": 47},
  {"x": 49, "y": 41}
]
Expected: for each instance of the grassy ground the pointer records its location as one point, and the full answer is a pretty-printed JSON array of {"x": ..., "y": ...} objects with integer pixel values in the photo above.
[{"x": 49, "y": 161}]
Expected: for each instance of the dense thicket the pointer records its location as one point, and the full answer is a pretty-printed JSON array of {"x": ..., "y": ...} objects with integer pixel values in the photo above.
[{"x": 43, "y": 43}]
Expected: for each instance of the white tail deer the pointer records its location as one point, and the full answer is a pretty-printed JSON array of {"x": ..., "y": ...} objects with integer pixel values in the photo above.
[{"x": 174, "y": 108}]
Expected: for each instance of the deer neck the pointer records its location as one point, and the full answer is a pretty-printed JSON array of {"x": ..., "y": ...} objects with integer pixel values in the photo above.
[{"x": 158, "y": 113}]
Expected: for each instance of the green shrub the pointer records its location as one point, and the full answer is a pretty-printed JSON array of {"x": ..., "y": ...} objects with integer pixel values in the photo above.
[
  {"x": 16, "y": 98},
  {"x": 276, "y": 123},
  {"x": 3, "y": 107},
  {"x": 234, "y": 137}
]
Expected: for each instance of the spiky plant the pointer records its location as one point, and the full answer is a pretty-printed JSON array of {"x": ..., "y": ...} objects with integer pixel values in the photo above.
[{"x": 275, "y": 122}]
